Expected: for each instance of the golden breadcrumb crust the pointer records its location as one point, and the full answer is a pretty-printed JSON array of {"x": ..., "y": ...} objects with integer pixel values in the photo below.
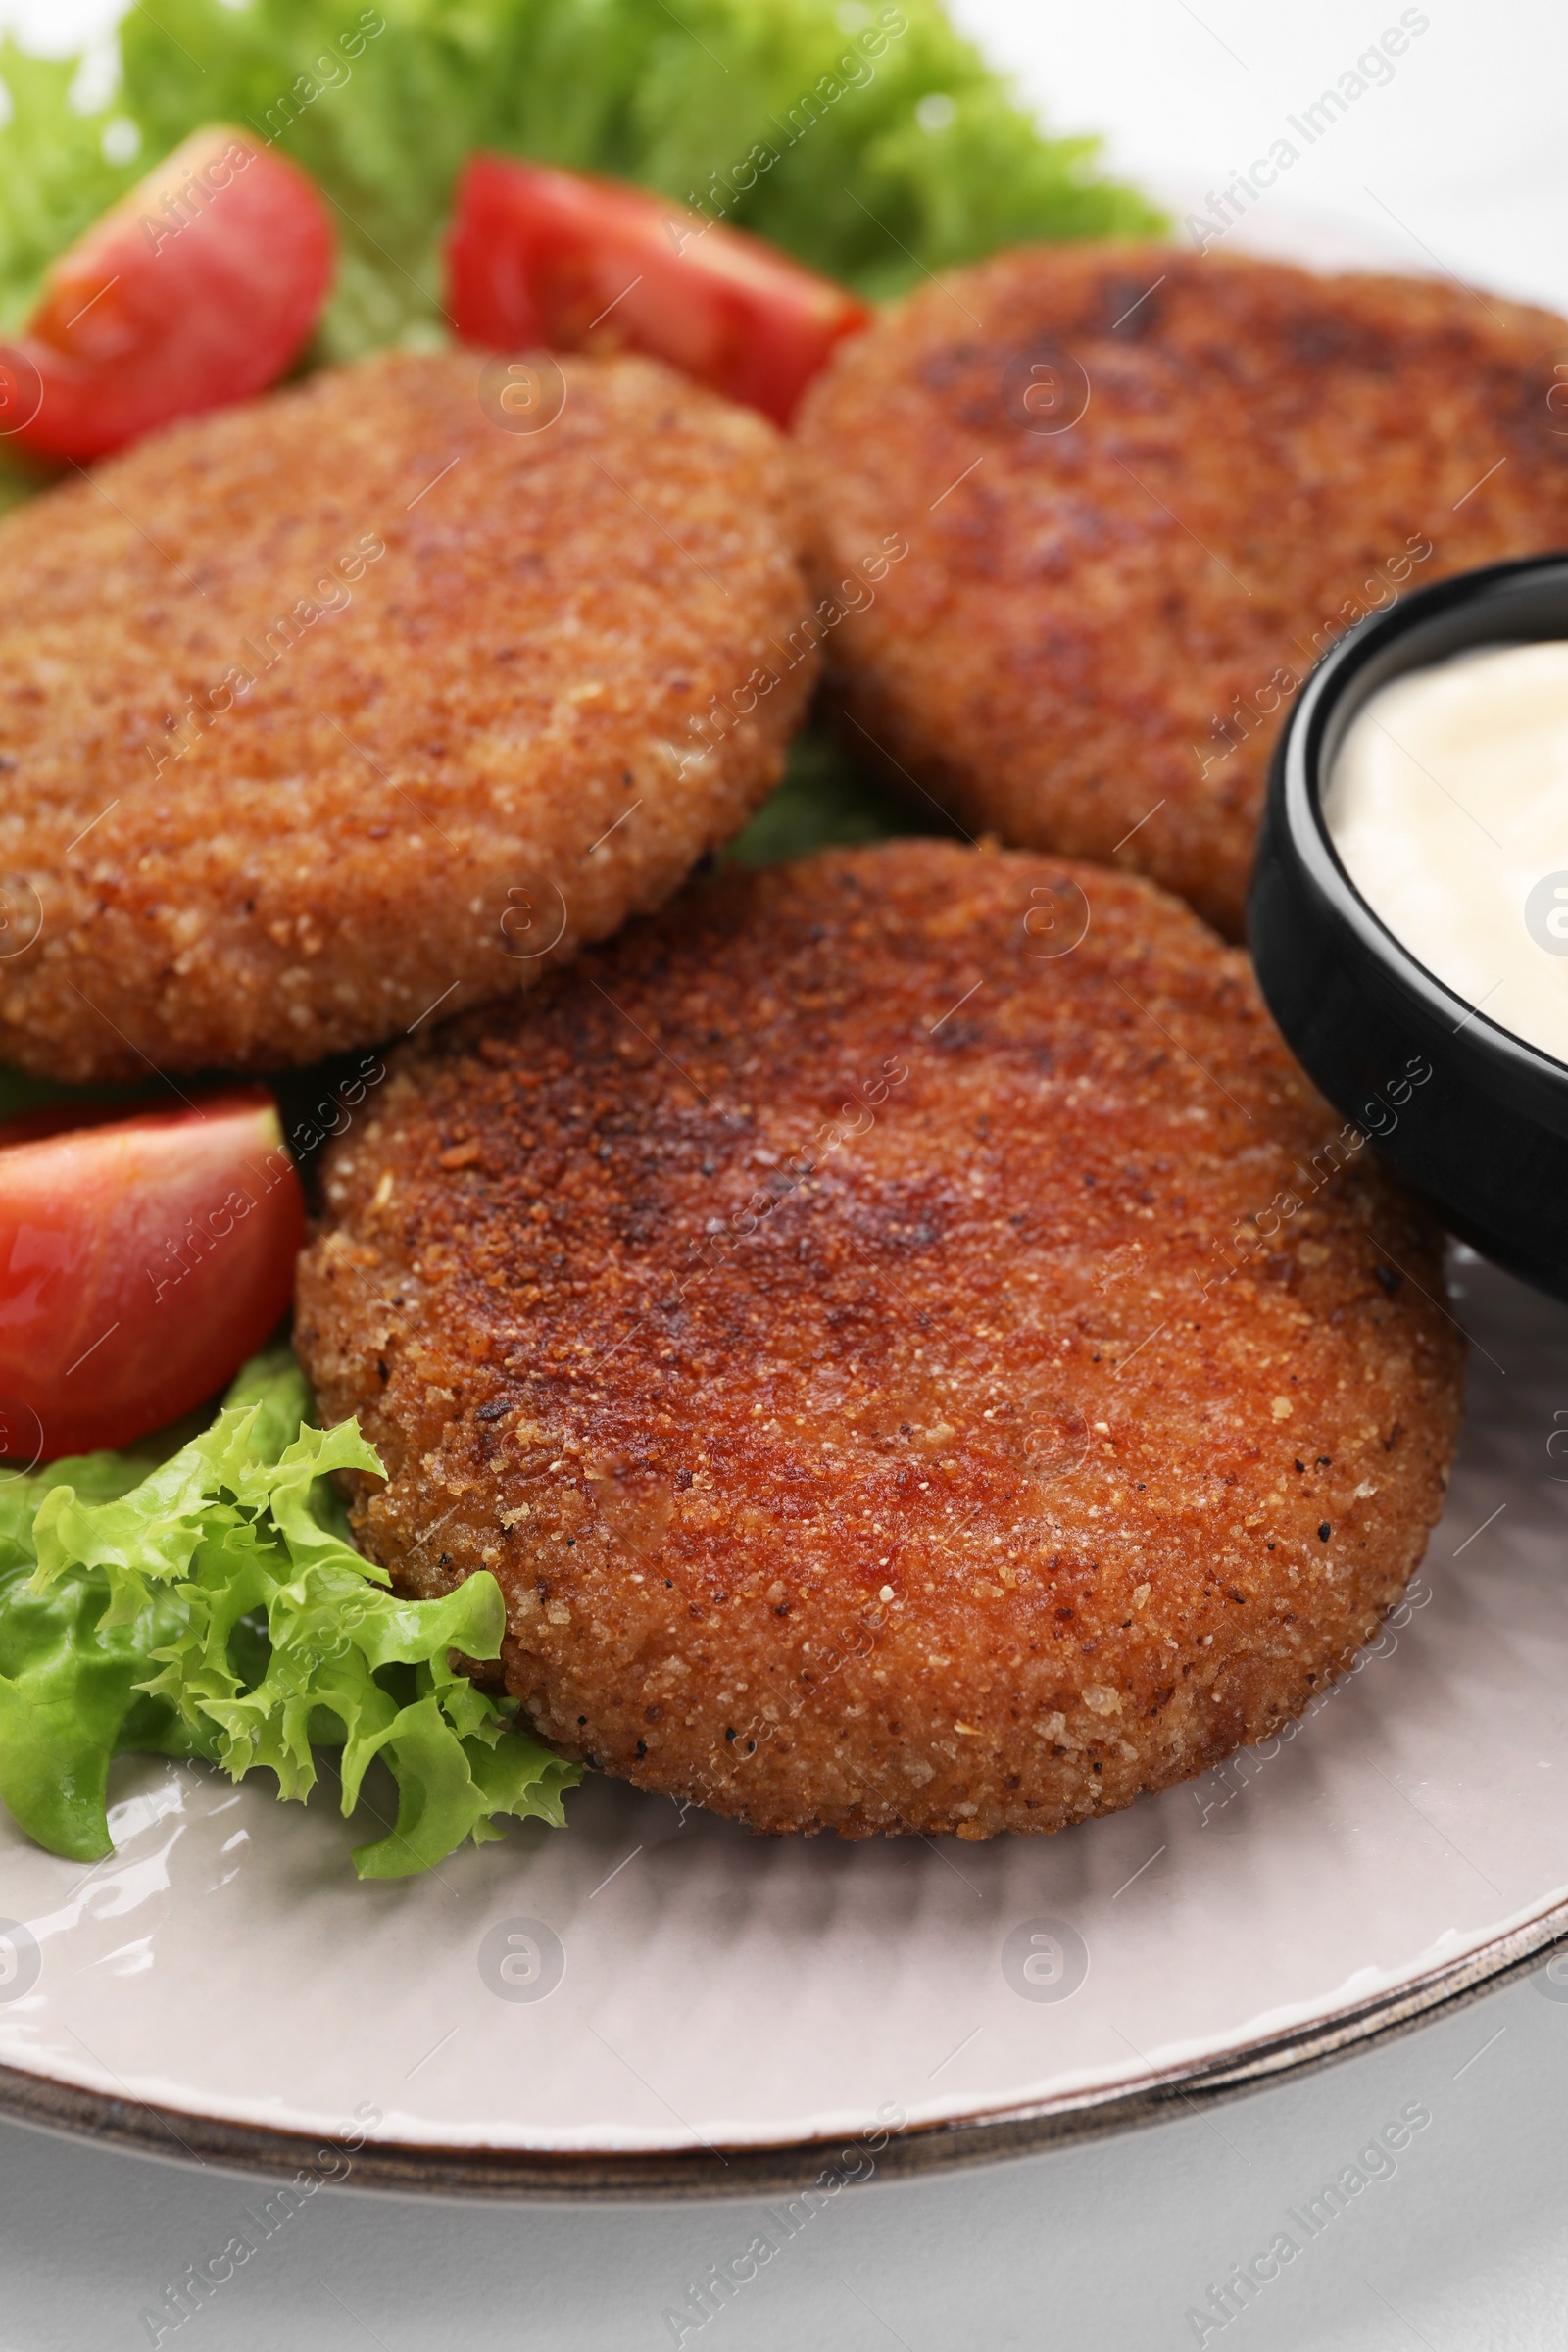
[
  {"x": 1103, "y": 627},
  {"x": 319, "y": 710},
  {"x": 904, "y": 1376}
]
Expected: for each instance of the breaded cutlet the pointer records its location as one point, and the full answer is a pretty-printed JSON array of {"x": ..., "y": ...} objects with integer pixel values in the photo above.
[
  {"x": 1142, "y": 492},
  {"x": 353, "y": 702},
  {"x": 911, "y": 1345}
]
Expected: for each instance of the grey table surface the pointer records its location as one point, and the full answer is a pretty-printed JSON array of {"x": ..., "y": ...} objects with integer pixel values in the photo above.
[
  {"x": 1459, "y": 162},
  {"x": 1103, "y": 2247}
]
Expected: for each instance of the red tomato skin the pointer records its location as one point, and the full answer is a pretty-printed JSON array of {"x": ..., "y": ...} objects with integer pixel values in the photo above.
[
  {"x": 195, "y": 290},
  {"x": 142, "y": 1260},
  {"x": 538, "y": 256}
]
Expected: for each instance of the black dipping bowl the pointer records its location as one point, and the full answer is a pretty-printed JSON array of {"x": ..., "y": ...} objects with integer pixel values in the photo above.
[{"x": 1485, "y": 1136}]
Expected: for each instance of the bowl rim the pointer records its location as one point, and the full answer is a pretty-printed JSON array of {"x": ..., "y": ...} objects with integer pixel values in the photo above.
[{"x": 1496, "y": 1058}]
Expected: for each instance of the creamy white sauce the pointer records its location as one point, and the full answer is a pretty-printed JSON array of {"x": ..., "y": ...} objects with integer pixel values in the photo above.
[{"x": 1448, "y": 804}]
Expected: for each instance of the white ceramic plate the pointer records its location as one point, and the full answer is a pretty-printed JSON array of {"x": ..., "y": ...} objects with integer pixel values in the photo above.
[
  {"x": 692, "y": 2007},
  {"x": 657, "y": 2001}
]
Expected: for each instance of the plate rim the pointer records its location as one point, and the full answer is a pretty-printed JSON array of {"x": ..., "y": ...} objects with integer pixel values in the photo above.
[{"x": 709, "y": 2173}]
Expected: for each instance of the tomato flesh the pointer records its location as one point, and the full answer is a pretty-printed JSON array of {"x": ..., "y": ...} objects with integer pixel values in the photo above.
[
  {"x": 142, "y": 1260},
  {"x": 536, "y": 256},
  {"x": 196, "y": 289}
]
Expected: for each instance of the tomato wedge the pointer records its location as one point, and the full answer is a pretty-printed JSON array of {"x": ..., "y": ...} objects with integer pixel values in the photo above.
[
  {"x": 536, "y": 256},
  {"x": 196, "y": 289},
  {"x": 142, "y": 1260}
]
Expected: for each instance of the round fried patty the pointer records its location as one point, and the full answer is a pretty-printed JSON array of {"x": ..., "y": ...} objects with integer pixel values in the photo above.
[
  {"x": 907, "y": 1370},
  {"x": 1141, "y": 493},
  {"x": 319, "y": 711}
]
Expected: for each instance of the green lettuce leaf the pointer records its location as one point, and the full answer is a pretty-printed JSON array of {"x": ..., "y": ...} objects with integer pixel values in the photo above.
[
  {"x": 872, "y": 141},
  {"x": 210, "y": 1605},
  {"x": 55, "y": 177},
  {"x": 827, "y": 799}
]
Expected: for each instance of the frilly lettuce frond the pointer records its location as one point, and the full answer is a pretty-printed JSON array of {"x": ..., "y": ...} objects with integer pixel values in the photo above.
[{"x": 212, "y": 1605}]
